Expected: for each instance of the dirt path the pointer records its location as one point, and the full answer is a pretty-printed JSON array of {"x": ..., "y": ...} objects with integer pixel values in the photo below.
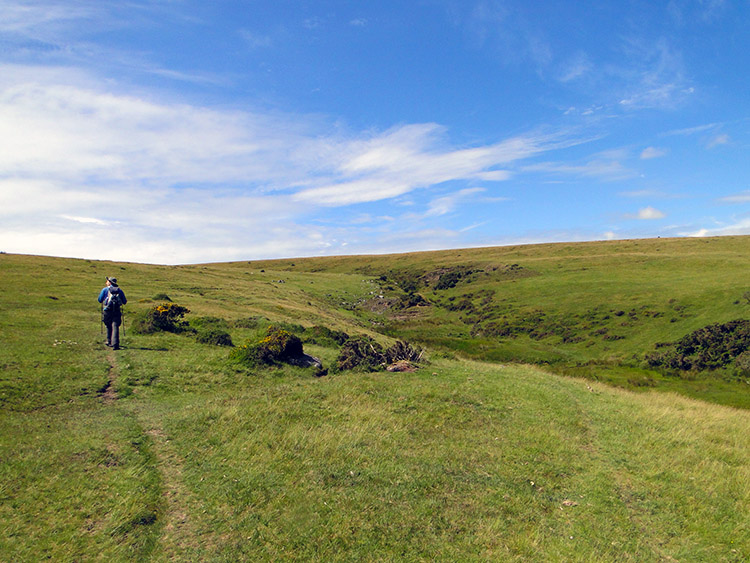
[
  {"x": 179, "y": 536},
  {"x": 108, "y": 393},
  {"x": 178, "y": 531}
]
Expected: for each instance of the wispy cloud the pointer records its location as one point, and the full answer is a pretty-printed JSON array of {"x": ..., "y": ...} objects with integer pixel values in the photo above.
[
  {"x": 653, "y": 152},
  {"x": 649, "y": 194},
  {"x": 412, "y": 157},
  {"x": 204, "y": 178},
  {"x": 655, "y": 77},
  {"x": 718, "y": 140},
  {"x": 36, "y": 19},
  {"x": 446, "y": 204},
  {"x": 576, "y": 67},
  {"x": 692, "y": 130},
  {"x": 608, "y": 169},
  {"x": 743, "y": 197},
  {"x": 256, "y": 40}
]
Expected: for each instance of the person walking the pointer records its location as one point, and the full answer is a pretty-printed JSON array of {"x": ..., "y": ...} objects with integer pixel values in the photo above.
[{"x": 112, "y": 299}]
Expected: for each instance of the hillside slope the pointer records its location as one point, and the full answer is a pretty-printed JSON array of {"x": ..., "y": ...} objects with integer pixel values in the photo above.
[
  {"x": 588, "y": 309},
  {"x": 166, "y": 450}
]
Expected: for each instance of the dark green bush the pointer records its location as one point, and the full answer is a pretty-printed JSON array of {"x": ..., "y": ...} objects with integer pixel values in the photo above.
[
  {"x": 711, "y": 347},
  {"x": 361, "y": 353},
  {"x": 166, "y": 317},
  {"x": 279, "y": 345},
  {"x": 411, "y": 300},
  {"x": 742, "y": 364}
]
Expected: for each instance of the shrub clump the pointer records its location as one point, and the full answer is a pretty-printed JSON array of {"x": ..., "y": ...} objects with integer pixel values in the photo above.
[
  {"x": 362, "y": 353},
  {"x": 166, "y": 317},
  {"x": 277, "y": 346},
  {"x": 403, "y": 352},
  {"x": 742, "y": 364},
  {"x": 711, "y": 347}
]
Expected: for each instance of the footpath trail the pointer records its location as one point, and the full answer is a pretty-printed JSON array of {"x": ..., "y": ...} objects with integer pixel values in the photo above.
[
  {"x": 108, "y": 393},
  {"x": 177, "y": 536}
]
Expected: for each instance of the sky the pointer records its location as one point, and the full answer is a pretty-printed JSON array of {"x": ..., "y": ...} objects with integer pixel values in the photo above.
[{"x": 186, "y": 131}]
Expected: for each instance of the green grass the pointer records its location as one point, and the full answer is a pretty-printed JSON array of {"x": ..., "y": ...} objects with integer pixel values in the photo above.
[
  {"x": 167, "y": 451},
  {"x": 597, "y": 308}
]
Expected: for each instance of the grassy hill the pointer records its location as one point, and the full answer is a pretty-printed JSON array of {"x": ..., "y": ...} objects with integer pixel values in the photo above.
[
  {"x": 587, "y": 309},
  {"x": 168, "y": 450}
]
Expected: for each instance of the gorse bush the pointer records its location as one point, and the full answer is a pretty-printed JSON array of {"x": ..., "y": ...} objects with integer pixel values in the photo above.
[
  {"x": 166, "y": 317},
  {"x": 277, "y": 346},
  {"x": 281, "y": 343}
]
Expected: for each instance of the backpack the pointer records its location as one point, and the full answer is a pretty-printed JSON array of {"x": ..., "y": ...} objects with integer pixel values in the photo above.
[{"x": 112, "y": 302}]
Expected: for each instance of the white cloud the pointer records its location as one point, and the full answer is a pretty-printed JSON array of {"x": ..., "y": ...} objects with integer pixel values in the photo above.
[
  {"x": 575, "y": 68},
  {"x": 737, "y": 198},
  {"x": 654, "y": 76},
  {"x": 92, "y": 220},
  {"x": 652, "y": 152},
  {"x": 411, "y": 157},
  {"x": 722, "y": 139},
  {"x": 30, "y": 18},
  {"x": 647, "y": 214},
  {"x": 446, "y": 204},
  {"x": 738, "y": 228},
  {"x": 494, "y": 176},
  {"x": 605, "y": 169},
  {"x": 256, "y": 40},
  {"x": 691, "y": 130},
  {"x": 82, "y": 158}
]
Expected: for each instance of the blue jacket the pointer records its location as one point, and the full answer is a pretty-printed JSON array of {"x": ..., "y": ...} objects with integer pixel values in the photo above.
[{"x": 105, "y": 291}]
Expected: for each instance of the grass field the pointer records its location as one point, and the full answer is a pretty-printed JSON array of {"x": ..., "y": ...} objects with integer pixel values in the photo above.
[{"x": 167, "y": 451}]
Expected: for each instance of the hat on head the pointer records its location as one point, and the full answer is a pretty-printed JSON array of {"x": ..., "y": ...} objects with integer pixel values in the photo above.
[{"x": 113, "y": 281}]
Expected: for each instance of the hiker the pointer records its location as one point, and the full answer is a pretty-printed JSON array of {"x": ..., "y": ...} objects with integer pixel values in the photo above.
[{"x": 112, "y": 299}]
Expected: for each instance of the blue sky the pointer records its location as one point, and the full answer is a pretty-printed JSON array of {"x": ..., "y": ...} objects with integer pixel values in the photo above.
[{"x": 184, "y": 131}]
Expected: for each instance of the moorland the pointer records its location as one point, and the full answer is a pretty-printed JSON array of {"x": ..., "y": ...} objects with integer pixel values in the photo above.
[{"x": 561, "y": 402}]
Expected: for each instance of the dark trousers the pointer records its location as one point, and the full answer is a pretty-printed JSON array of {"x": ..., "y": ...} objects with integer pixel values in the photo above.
[{"x": 113, "y": 332}]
